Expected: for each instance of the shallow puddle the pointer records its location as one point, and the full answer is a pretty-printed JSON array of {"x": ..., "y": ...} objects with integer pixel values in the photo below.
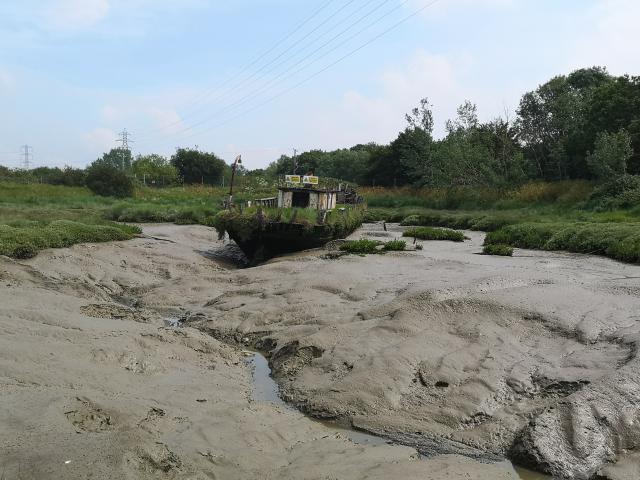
[{"x": 265, "y": 389}]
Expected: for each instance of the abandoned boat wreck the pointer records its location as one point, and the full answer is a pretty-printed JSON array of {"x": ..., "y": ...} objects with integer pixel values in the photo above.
[{"x": 299, "y": 218}]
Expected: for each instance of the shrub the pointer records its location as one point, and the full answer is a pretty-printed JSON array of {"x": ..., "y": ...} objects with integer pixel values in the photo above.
[
  {"x": 107, "y": 181},
  {"x": 428, "y": 233},
  {"x": 621, "y": 192},
  {"x": 498, "y": 249},
  {"x": 395, "y": 246},
  {"x": 362, "y": 246},
  {"x": 25, "y": 241},
  {"x": 620, "y": 241}
]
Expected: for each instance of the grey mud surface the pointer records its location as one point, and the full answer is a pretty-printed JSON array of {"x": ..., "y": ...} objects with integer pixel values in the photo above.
[{"x": 459, "y": 359}]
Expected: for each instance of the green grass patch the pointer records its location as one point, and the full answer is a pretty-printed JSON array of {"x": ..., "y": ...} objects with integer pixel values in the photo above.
[
  {"x": 395, "y": 246},
  {"x": 24, "y": 241},
  {"x": 365, "y": 246},
  {"x": 339, "y": 223},
  {"x": 498, "y": 249},
  {"x": 614, "y": 240},
  {"x": 429, "y": 233},
  {"x": 361, "y": 247}
]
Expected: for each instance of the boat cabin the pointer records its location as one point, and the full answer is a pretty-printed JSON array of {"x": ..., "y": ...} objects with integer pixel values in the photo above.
[{"x": 301, "y": 197}]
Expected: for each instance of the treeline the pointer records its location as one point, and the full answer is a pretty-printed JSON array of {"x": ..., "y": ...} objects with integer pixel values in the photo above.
[
  {"x": 585, "y": 125},
  {"x": 117, "y": 172}
]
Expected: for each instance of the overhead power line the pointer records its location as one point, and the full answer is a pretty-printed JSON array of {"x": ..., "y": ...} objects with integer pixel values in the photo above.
[
  {"x": 195, "y": 100},
  {"x": 273, "y": 81},
  {"x": 324, "y": 69}
]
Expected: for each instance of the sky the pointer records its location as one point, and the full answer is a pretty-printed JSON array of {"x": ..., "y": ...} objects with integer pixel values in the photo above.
[{"x": 262, "y": 77}]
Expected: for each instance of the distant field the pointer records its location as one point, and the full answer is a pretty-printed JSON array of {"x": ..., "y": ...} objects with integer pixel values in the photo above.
[
  {"x": 552, "y": 216},
  {"x": 33, "y": 217}
]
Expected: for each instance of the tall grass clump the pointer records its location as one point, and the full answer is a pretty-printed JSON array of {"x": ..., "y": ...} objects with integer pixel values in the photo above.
[
  {"x": 366, "y": 246},
  {"x": 429, "y": 233},
  {"x": 25, "y": 241},
  {"x": 498, "y": 249},
  {"x": 361, "y": 247},
  {"x": 620, "y": 241},
  {"x": 395, "y": 246},
  {"x": 567, "y": 193},
  {"x": 337, "y": 223}
]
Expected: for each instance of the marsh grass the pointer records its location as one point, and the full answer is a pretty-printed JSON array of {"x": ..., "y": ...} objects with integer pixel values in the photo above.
[
  {"x": 395, "y": 246},
  {"x": 429, "y": 233},
  {"x": 340, "y": 222},
  {"x": 361, "y": 247},
  {"x": 564, "y": 193},
  {"x": 25, "y": 240},
  {"x": 614, "y": 240},
  {"x": 498, "y": 249},
  {"x": 365, "y": 246}
]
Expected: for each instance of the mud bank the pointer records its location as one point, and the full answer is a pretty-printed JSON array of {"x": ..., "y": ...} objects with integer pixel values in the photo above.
[
  {"x": 94, "y": 384},
  {"x": 531, "y": 357}
]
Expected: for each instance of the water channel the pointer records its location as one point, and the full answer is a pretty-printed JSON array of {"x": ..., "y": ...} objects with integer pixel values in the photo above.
[{"x": 265, "y": 389}]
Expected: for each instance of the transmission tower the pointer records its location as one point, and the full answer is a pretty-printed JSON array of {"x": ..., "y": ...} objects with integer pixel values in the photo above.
[
  {"x": 26, "y": 156},
  {"x": 124, "y": 139}
]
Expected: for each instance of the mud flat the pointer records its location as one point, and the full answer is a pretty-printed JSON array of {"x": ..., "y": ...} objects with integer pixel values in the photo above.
[{"x": 463, "y": 358}]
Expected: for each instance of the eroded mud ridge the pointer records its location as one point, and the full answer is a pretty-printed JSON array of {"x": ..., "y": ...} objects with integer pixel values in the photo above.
[
  {"x": 456, "y": 376},
  {"x": 109, "y": 365},
  {"x": 537, "y": 365}
]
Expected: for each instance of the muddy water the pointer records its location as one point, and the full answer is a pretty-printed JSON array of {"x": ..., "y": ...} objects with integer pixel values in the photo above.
[{"x": 265, "y": 389}]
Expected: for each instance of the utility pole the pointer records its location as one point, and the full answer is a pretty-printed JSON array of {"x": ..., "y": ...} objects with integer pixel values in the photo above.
[
  {"x": 27, "y": 156},
  {"x": 124, "y": 138},
  {"x": 237, "y": 161},
  {"x": 295, "y": 161}
]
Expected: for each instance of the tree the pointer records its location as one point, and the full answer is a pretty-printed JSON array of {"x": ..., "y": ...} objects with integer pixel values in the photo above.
[
  {"x": 615, "y": 105},
  {"x": 155, "y": 169},
  {"x": 466, "y": 120},
  {"x": 554, "y": 123},
  {"x": 108, "y": 181},
  {"x": 610, "y": 156},
  {"x": 413, "y": 151},
  {"x": 117, "y": 158},
  {"x": 345, "y": 164},
  {"x": 195, "y": 166},
  {"x": 421, "y": 117},
  {"x": 385, "y": 168}
]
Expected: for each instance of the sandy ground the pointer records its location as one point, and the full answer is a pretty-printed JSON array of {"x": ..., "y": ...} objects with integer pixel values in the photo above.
[{"x": 447, "y": 351}]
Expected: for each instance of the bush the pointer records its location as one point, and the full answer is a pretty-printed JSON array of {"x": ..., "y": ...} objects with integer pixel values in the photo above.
[
  {"x": 395, "y": 246},
  {"x": 621, "y": 192},
  {"x": 620, "y": 241},
  {"x": 428, "y": 233},
  {"x": 498, "y": 249},
  {"x": 108, "y": 181},
  {"x": 25, "y": 241},
  {"x": 361, "y": 247}
]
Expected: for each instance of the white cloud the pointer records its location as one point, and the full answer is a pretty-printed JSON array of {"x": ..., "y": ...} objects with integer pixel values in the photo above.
[
  {"x": 166, "y": 120},
  {"x": 6, "y": 81},
  {"x": 610, "y": 37},
  {"x": 446, "y": 80},
  {"x": 110, "y": 113},
  {"x": 76, "y": 14},
  {"x": 100, "y": 139}
]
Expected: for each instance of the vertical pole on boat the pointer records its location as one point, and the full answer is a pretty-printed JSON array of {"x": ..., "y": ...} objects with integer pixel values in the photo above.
[{"x": 237, "y": 161}]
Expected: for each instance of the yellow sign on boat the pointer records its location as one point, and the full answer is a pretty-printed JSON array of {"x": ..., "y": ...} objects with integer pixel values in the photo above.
[
  {"x": 311, "y": 180},
  {"x": 292, "y": 178}
]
